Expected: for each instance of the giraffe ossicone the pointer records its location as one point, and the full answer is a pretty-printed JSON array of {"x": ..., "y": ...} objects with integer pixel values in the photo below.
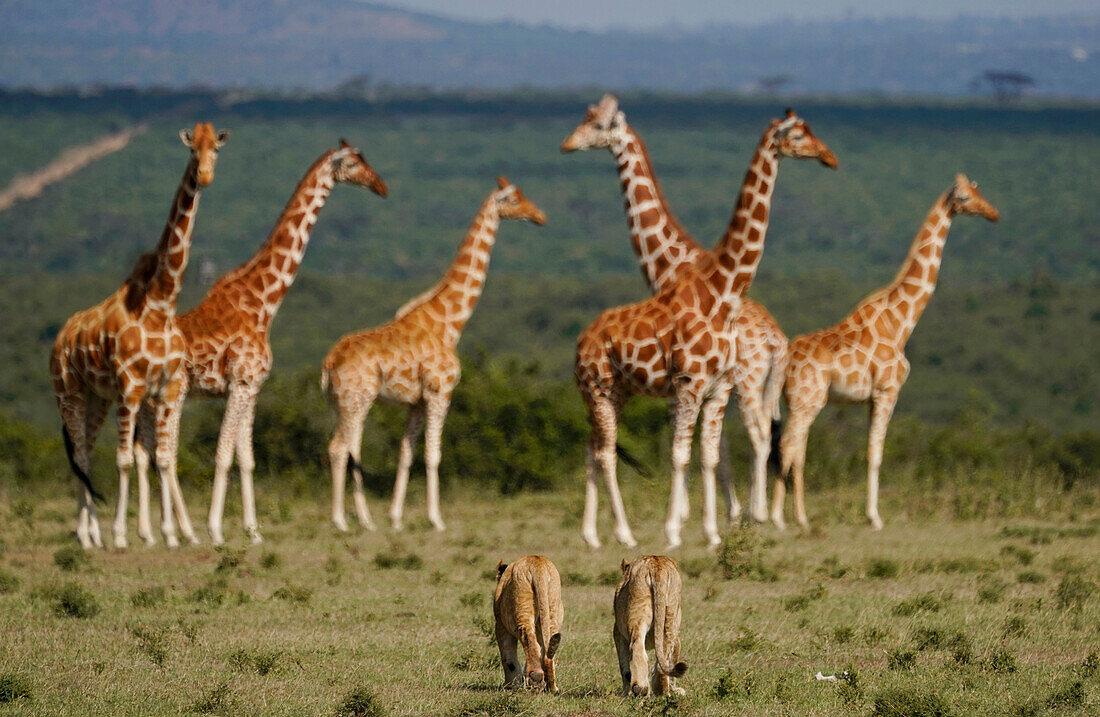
[
  {"x": 412, "y": 361},
  {"x": 681, "y": 345},
  {"x": 227, "y": 334},
  {"x": 128, "y": 349},
  {"x": 862, "y": 359}
]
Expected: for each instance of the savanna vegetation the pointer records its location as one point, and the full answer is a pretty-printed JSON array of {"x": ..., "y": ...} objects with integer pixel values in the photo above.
[{"x": 979, "y": 596}]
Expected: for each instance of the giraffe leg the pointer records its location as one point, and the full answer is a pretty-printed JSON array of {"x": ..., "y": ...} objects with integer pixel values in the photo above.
[
  {"x": 606, "y": 419},
  {"x": 882, "y": 408},
  {"x": 591, "y": 491},
  {"x": 95, "y": 415},
  {"x": 725, "y": 479},
  {"x": 246, "y": 464},
  {"x": 758, "y": 426},
  {"x": 806, "y": 399},
  {"x": 685, "y": 417},
  {"x": 351, "y": 412},
  {"x": 362, "y": 512},
  {"x": 223, "y": 459},
  {"x": 436, "y": 410},
  {"x": 169, "y": 423},
  {"x": 124, "y": 459},
  {"x": 413, "y": 425},
  {"x": 74, "y": 416},
  {"x": 145, "y": 445},
  {"x": 710, "y": 438}
]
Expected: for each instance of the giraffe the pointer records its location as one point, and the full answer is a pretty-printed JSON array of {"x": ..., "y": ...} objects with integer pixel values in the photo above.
[
  {"x": 129, "y": 349},
  {"x": 412, "y": 361},
  {"x": 862, "y": 359},
  {"x": 681, "y": 344},
  {"x": 228, "y": 350},
  {"x": 664, "y": 249}
]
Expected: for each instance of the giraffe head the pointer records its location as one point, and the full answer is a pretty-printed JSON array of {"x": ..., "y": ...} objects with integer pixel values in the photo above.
[
  {"x": 964, "y": 198},
  {"x": 204, "y": 142},
  {"x": 513, "y": 205},
  {"x": 793, "y": 138},
  {"x": 603, "y": 126},
  {"x": 348, "y": 165}
]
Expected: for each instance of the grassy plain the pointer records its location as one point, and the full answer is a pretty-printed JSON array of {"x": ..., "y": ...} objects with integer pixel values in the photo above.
[{"x": 935, "y": 615}]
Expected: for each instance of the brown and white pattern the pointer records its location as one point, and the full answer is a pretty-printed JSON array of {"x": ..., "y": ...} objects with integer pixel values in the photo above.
[
  {"x": 664, "y": 249},
  {"x": 681, "y": 344},
  {"x": 862, "y": 359},
  {"x": 129, "y": 349},
  {"x": 412, "y": 361},
  {"x": 228, "y": 350}
]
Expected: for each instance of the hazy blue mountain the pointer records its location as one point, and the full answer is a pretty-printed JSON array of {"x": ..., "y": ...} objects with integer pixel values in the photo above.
[{"x": 319, "y": 44}]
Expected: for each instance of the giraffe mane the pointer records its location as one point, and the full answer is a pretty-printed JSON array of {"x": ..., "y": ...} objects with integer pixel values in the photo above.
[{"x": 417, "y": 300}]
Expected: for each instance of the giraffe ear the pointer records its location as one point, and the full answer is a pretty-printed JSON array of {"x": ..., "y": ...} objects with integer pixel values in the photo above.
[
  {"x": 186, "y": 137},
  {"x": 344, "y": 143},
  {"x": 222, "y": 137},
  {"x": 503, "y": 182},
  {"x": 789, "y": 113}
]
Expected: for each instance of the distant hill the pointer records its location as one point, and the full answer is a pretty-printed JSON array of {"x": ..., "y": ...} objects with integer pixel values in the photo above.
[{"x": 321, "y": 44}]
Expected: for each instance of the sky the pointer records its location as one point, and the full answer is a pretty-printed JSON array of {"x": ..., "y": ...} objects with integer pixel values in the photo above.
[{"x": 635, "y": 14}]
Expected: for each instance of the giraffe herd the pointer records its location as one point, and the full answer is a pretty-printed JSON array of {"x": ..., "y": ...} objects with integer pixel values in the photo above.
[{"x": 695, "y": 341}]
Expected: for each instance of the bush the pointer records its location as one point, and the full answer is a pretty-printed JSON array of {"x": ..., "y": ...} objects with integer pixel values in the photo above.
[
  {"x": 70, "y": 558},
  {"x": 14, "y": 687},
  {"x": 294, "y": 593},
  {"x": 731, "y": 686},
  {"x": 1002, "y": 661},
  {"x": 74, "y": 600},
  {"x": 882, "y": 568},
  {"x": 905, "y": 703},
  {"x": 901, "y": 660},
  {"x": 928, "y": 602},
  {"x": 148, "y": 597},
  {"x": 411, "y": 561},
  {"x": 8, "y": 583},
  {"x": 1070, "y": 697},
  {"x": 1073, "y": 592},
  {"x": 741, "y": 555},
  {"x": 502, "y": 705},
  {"x": 213, "y": 592},
  {"x": 216, "y": 700},
  {"x": 361, "y": 703},
  {"x": 991, "y": 591},
  {"x": 1030, "y": 577}
]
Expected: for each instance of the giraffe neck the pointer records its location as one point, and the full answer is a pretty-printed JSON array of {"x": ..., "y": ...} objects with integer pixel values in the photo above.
[
  {"x": 662, "y": 244},
  {"x": 911, "y": 290},
  {"x": 738, "y": 252},
  {"x": 458, "y": 292},
  {"x": 271, "y": 271},
  {"x": 174, "y": 247}
]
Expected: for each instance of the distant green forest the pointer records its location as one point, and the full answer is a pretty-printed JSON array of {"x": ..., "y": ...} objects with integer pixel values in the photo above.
[{"x": 1004, "y": 364}]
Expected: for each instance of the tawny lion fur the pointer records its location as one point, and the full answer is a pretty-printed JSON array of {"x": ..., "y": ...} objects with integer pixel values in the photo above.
[
  {"x": 647, "y": 614},
  {"x": 528, "y": 609}
]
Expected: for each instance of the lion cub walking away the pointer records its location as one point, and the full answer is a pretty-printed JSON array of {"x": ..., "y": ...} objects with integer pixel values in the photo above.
[
  {"x": 528, "y": 609},
  {"x": 647, "y": 614}
]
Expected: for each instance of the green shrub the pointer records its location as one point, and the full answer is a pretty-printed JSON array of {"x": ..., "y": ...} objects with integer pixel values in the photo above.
[
  {"x": 14, "y": 687},
  {"x": 882, "y": 568},
  {"x": 1022, "y": 555},
  {"x": 148, "y": 597},
  {"x": 1030, "y": 577},
  {"x": 991, "y": 590},
  {"x": 1015, "y": 626},
  {"x": 732, "y": 686},
  {"x": 902, "y": 702},
  {"x": 901, "y": 660},
  {"x": 575, "y": 578},
  {"x": 928, "y": 602},
  {"x": 502, "y": 705},
  {"x": 259, "y": 661},
  {"x": 152, "y": 641},
  {"x": 8, "y": 583},
  {"x": 216, "y": 700},
  {"x": 70, "y": 558},
  {"x": 741, "y": 555},
  {"x": 361, "y": 703},
  {"x": 270, "y": 561},
  {"x": 1073, "y": 592},
  {"x": 411, "y": 561},
  {"x": 1072, "y": 697},
  {"x": 1002, "y": 661},
  {"x": 213, "y": 592},
  {"x": 74, "y": 600},
  {"x": 294, "y": 593}
]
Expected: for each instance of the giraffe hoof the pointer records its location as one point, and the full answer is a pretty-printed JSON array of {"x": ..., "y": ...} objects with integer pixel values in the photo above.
[
  {"x": 876, "y": 522},
  {"x": 256, "y": 539},
  {"x": 149, "y": 541},
  {"x": 340, "y": 524},
  {"x": 592, "y": 540},
  {"x": 120, "y": 542}
]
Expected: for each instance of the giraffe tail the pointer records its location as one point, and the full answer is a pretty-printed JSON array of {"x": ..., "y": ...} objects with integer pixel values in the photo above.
[
  {"x": 633, "y": 461},
  {"x": 96, "y": 495}
]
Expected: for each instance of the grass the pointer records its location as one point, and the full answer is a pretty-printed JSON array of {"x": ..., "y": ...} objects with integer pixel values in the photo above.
[{"x": 228, "y": 632}]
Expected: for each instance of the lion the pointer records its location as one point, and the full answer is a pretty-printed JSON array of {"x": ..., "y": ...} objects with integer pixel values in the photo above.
[
  {"x": 528, "y": 609},
  {"x": 647, "y": 614}
]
